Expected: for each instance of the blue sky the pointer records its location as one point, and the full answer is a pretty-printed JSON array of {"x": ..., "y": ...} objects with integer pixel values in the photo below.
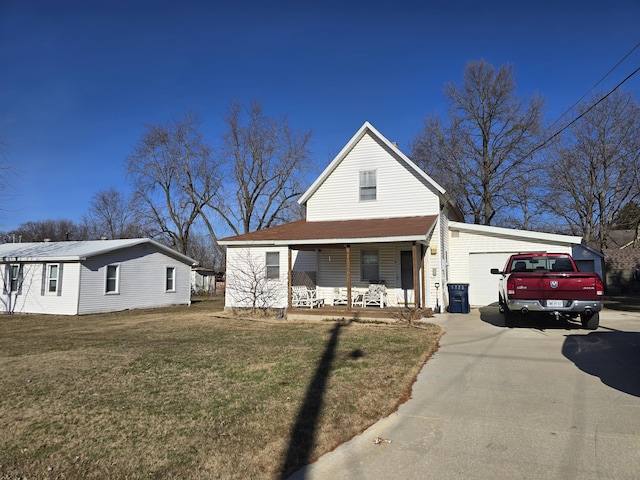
[{"x": 79, "y": 80}]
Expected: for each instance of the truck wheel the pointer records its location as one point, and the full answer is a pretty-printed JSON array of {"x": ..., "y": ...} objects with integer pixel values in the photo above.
[{"x": 590, "y": 322}]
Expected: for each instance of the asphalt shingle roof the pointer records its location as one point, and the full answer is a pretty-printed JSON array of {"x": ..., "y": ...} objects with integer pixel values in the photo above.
[{"x": 336, "y": 231}]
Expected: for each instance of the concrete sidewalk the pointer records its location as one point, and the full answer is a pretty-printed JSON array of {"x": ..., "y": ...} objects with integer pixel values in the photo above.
[{"x": 544, "y": 401}]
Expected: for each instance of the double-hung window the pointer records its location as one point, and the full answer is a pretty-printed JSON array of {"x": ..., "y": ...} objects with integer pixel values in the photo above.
[
  {"x": 113, "y": 280},
  {"x": 170, "y": 278},
  {"x": 14, "y": 278},
  {"x": 368, "y": 185},
  {"x": 370, "y": 266},
  {"x": 53, "y": 271},
  {"x": 273, "y": 265}
]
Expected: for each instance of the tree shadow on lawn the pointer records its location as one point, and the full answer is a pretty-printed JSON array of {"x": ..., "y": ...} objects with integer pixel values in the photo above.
[
  {"x": 613, "y": 356},
  {"x": 304, "y": 430}
]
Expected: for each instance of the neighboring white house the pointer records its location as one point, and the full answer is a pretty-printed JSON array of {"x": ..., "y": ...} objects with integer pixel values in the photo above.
[
  {"x": 373, "y": 216},
  {"x": 203, "y": 281},
  {"x": 80, "y": 277}
]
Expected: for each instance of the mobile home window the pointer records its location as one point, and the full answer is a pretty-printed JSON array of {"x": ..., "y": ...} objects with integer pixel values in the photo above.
[
  {"x": 370, "y": 266},
  {"x": 171, "y": 279},
  {"x": 273, "y": 264},
  {"x": 14, "y": 278},
  {"x": 52, "y": 278},
  {"x": 112, "y": 278},
  {"x": 368, "y": 185}
]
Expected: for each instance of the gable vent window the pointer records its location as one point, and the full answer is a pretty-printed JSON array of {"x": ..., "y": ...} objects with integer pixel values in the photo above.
[{"x": 368, "y": 185}]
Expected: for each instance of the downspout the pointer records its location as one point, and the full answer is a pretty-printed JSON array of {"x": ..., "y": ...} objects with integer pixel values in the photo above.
[
  {"x": 289, "y": 274},
  {"x": 416, "y": 286},
  {"x": 423, "y": 297},
  {"x": 348, "y": 248}
]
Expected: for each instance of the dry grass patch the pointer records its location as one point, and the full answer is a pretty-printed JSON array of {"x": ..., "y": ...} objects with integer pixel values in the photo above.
[{"x": 184, "y": 392}]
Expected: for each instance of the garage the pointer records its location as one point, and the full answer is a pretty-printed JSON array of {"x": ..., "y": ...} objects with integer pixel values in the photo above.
[
  {"x": 485, "y": 287},
  {"x": 475, "y": 249}
]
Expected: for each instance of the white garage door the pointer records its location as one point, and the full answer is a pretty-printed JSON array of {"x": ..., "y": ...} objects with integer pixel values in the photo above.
[{"x": 483, "y": 286}]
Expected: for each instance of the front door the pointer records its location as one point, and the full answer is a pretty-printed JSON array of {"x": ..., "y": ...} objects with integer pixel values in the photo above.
[{"x": 406, "y": 278}]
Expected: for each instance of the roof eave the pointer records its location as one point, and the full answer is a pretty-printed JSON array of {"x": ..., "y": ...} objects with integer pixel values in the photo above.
[
  {"x": 327, "y": 241},
  {"x": 555, "y": 237}
]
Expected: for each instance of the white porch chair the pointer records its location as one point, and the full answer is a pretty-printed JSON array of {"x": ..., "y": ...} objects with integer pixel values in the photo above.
[
  {"x": 302, "y": 296},
  {"x": 376, "y": 295},
  {"x": 340, "y": 296}
]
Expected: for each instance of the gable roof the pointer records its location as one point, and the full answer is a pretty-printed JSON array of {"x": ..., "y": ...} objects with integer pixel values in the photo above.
[
  {"x": 512, "y": 232},
  {"x": 77, "y": 250},
  {"x": 377, "y": 230},
  {"x": 368, "y": 128}
]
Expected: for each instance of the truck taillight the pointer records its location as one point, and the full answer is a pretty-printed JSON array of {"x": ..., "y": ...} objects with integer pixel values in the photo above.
[
  {"x": 511, "y": 287},
  {"x": 599, "y": 287}
]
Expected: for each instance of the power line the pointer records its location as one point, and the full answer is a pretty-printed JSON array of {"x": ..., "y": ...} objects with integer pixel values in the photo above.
[
  {"x": 583, "y": 113},
  {"x": 597, "y": 83}
]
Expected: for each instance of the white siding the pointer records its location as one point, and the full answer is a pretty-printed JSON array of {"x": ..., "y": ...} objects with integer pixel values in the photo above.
[
  {"x": 465, "y": 247},
  {"x": 332, "y": 272},
  {"x": 246, "y": 278},
  {"x": 400, "y": 192},
  {"x": 142, "y": 281},
  {"x": 32, "y": 299}
]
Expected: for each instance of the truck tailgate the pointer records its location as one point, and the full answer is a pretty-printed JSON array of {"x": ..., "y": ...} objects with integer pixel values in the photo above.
[{"x": 553, "y": 286}]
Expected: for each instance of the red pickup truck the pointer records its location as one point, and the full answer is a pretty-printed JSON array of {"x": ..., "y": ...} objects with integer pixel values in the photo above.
[{"x": 550, "y": 283}]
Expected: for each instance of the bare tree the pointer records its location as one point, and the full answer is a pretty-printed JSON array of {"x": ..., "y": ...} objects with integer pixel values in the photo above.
[
  {"x": 174, "y": 177},
  {"x": 248, "y": 283},
  {"x": 266, "y": 160},
  {"x": 112, "y": 214},
  {"x": 206, "y": 251},
  {"x": 59, "y": 230},
  {"x": 486, "y": 143},
  {"x": 595, "y": 166}
]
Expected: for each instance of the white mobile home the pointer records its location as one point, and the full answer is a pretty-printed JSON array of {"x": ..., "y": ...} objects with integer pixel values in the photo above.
[{"x": 80, "y": 277}]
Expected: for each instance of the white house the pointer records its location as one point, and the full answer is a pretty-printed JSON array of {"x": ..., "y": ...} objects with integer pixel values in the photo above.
[
  {"x": 372, "y": 217},
  {"x": 80, "y": 277}
]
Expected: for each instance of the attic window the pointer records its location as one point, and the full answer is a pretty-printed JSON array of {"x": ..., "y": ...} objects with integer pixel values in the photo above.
[{"x": 368, "y": 185}]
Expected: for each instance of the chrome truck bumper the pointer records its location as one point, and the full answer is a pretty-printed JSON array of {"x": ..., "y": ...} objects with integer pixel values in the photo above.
[{"x": 568, "y": 306}]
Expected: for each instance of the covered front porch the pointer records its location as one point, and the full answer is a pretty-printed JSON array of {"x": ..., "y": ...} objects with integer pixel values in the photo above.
[
  {"x": 366, "y": 275},
  {"x": 376, "y": 263}
]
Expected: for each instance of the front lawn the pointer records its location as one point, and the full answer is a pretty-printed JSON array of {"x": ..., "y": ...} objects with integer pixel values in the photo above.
[{"x": 185, "y": 392}]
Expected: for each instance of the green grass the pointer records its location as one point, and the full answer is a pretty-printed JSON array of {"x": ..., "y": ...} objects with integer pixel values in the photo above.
[{"x": 185, "y": 392}]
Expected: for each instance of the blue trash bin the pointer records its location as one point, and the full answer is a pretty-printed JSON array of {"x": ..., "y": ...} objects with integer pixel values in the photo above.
[{"x": 459, "y": 297}]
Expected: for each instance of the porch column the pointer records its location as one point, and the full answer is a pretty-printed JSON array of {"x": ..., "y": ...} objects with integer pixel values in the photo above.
[
  {"x": 416, "y": 285},
  {"x": 289, "y": 279},
  {"x": 423, "y": 298},
  {"x": 348, "y": 249}
]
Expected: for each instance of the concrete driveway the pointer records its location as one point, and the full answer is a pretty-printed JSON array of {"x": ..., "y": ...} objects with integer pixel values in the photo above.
[{"x": 542, "y": 401}]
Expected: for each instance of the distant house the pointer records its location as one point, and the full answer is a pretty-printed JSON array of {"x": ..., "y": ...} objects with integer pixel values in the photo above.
[
  {"x": 203, "y": 281},
  {"x": 75, "y": 278},
  {"x": 374, "y": 217}
]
